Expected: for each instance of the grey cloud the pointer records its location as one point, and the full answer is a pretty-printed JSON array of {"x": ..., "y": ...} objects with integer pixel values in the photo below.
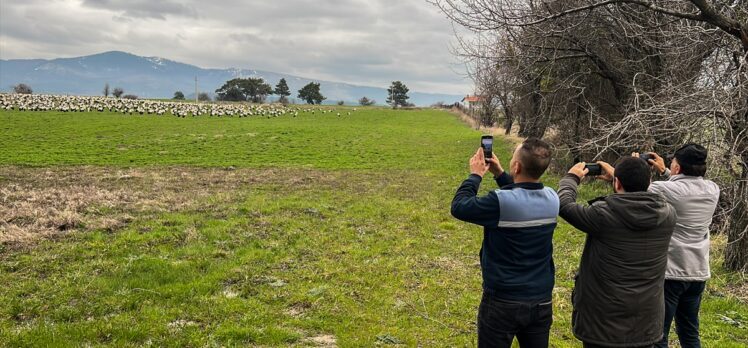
[
  {"x": 144, "y": 8},
  {"x": 355, "y": 41},
  {"x": 22, "y": 24}
]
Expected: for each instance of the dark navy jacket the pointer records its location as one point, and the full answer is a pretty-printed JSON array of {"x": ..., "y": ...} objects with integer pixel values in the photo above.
[{"x": 518, "y": 221}]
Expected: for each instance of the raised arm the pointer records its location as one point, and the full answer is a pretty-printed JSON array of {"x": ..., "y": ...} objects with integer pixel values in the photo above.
[
  {"x": 468, "y": 207},
  {"x": 580, "y": 216},
  {"x": 504, "y": 179},
  {"x": 501, "y": 177}
]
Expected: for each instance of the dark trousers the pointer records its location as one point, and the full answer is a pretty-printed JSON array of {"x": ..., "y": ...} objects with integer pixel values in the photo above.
[
  {"x": 499, "y": 321},
  {"x": 682, "y": 301}
]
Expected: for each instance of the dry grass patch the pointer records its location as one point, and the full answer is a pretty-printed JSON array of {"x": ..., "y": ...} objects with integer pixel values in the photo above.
[
  {"x": 328, "y": 341},
  {"x": 497, "y": 130},
  {"x": 49, "y": 202}
]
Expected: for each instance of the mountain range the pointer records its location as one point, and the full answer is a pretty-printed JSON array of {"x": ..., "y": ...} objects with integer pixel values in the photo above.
[{"x": 154, "y": 77}]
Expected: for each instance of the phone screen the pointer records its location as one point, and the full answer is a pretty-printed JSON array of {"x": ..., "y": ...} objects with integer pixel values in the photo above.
[{"x": 487, "y": 144}]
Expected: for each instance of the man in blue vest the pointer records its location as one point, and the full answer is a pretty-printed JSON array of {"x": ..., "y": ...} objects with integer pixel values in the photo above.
[{"x": 517, "y": 253}]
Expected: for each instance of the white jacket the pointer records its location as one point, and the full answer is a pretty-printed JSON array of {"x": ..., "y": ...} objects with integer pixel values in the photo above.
[{"x": 694, "y": 200}]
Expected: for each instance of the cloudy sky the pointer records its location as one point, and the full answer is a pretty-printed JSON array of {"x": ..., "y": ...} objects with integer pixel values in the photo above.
[{"x": 366, "y": 42}]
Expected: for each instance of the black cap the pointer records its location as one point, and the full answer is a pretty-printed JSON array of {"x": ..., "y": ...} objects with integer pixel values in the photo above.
[{"x": 691, "y": 154}]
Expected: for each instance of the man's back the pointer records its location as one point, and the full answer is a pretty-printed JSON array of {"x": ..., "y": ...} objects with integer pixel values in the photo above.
[
  {"x": 621, "y": 272},
  {"x": 517, "y": 257},
  {"x": 618, "y": 298},
  {"x": 694, "y": 199},
  {"x": 517, "y": 250}
]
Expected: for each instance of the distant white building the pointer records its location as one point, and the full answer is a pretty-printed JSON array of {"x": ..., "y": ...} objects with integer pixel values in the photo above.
[{"x": 471, "y": 102}]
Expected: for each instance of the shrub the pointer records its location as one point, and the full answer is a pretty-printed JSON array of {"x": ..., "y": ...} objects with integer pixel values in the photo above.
[
  {"x": 364, "y": 101},
  {"x": 202, "y": 96},
  {"x": 22, "y": 88}
]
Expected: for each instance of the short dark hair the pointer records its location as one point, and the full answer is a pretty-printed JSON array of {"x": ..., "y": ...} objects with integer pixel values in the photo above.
[
  {"x": 692, "y": 159},
  {"x": 633, "y": 174},
  {"x": 535, "y": 156}
]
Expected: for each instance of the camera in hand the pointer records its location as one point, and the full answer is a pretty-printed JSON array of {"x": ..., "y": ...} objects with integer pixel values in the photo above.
[{"x": 594, "y": 169}]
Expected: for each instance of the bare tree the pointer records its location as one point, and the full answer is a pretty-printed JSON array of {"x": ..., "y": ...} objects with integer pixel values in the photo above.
[
  {"x": 118, "y": 92},
  {"x": 106, "y": 90},
  {"x": 609, "y": 77},
  {"x": 488, "y": 88}
]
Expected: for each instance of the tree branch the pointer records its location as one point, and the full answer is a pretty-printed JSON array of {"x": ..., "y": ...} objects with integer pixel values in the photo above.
[{"x": 647, "y": 4}]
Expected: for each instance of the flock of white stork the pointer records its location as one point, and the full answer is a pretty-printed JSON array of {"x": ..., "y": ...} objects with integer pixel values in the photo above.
[{"x": 64, "y": 103}]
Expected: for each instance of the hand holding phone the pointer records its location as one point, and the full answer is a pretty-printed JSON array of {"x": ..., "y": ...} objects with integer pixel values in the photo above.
[
  {"x": 607, "y": 171},
  {"x": 478, "y": 163}
]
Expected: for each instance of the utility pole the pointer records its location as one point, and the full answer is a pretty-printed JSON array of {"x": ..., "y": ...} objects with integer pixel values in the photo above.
[
  {"x": 392, "y": 96},
  {"x": 196, "y": 99}
]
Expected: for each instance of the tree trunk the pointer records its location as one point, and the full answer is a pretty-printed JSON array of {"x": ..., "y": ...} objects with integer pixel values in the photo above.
[
  {"x": 508, "y": 113},
  {"x": 535, "y": 123},
  {"x": 576, "y": 155},
  {"x": 736, "y": 252},
  {"x": 509, "y": 120},
  {"x": 487, "y": 112}
]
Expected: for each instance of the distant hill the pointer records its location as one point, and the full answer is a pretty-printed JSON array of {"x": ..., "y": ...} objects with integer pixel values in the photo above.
[{"x": 154, "y": 77}]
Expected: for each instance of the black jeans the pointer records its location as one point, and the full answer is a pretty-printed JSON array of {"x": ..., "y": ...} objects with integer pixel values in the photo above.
[
  {"x": 499, "y": 321},
  {"x": 682, "y": 301}
]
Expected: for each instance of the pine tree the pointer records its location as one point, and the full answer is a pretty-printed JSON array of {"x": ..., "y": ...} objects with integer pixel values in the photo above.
[
  {"x": 282, "y": 90},
  {"x": 397, "y": 94}
]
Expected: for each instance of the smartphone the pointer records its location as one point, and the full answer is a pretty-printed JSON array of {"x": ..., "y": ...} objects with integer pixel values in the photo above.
[
  {"x": 594, "y": 169},
  {"x": 486, "y": 142},
  {"x": 646, "y": 157}
]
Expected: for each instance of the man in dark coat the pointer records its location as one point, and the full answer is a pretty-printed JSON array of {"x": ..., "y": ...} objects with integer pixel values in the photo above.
[{"x": 618, "y": 296}]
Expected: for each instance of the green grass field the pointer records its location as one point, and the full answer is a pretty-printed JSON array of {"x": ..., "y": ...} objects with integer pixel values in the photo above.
[{"x": 309, "y": 231}]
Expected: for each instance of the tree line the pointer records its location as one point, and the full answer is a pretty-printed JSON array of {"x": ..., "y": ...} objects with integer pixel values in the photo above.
[{"x": 256, "y": 90}]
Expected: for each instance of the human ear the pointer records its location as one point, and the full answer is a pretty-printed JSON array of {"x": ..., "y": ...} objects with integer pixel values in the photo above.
[
  {"x": 675, "y": 168},
  {"x": 516, "y": 168}
]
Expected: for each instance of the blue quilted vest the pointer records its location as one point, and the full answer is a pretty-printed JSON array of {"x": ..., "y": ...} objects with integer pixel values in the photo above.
[{"x": 517, "y": 255}]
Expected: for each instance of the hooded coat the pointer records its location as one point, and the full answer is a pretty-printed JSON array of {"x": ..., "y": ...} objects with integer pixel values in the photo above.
[{"x": 618, "y": 297}]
